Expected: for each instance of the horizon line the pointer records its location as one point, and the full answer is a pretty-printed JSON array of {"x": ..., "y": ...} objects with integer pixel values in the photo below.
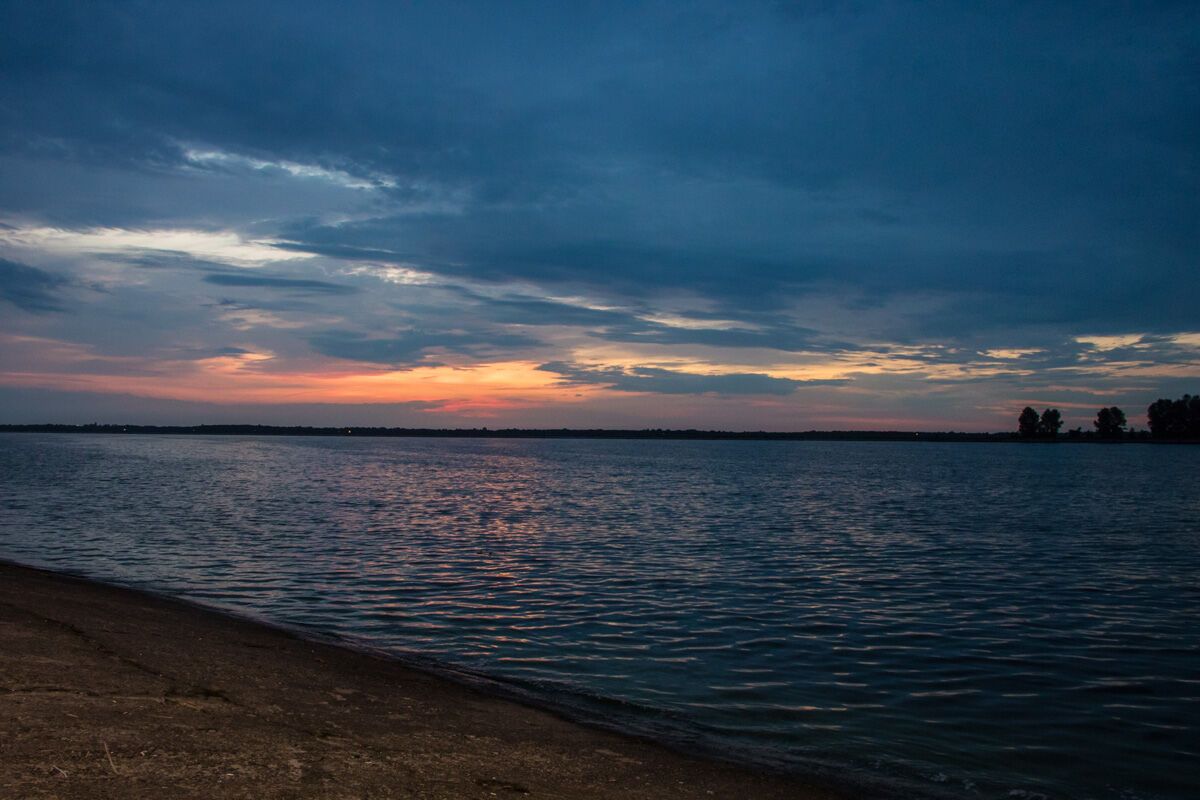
[{"x": 543, "y": 433}]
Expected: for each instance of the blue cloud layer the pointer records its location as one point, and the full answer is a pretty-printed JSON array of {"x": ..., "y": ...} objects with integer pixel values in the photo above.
[
  {"x": 918, "y": 180},
  {"x": 29, "y": 288}
]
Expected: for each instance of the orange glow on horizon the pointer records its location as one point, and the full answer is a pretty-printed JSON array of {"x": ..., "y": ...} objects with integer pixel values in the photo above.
[{"x": 474, "y": 390}]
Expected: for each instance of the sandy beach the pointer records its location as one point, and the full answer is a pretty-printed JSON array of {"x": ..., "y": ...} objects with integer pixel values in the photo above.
[{"x": 113, "y": 693}]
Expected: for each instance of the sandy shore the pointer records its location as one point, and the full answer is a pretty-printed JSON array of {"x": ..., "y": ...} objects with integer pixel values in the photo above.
[{"x": 112, "y": 693}]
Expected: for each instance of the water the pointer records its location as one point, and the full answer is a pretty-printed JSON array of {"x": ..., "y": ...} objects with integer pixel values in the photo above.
[{"x": 978, "y": 620}]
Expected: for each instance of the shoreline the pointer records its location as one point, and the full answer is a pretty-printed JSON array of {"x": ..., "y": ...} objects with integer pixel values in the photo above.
[
  {"x": 117, "y": 692},
  {"x": 604, "y": 434}
]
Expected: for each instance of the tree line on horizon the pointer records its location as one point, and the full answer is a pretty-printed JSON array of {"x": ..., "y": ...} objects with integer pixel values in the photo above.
[{"x": 1166, "y": 419}]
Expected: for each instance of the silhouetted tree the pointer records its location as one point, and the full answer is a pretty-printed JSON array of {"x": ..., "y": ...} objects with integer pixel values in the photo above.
[
  {"x": 1110, "y": 423},
  {"x": 1050, "y": 423},
  {"x": 1159, "y": 416},
  {"x": 1027, "y": 423},
  {"x": 1175, "y": 419}
]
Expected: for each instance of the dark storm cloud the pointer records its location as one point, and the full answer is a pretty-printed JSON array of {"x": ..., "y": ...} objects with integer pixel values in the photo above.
[
  {"x": 301, "y": 285},
  {"x": 29, "y": 288},
  {"x": 896, "y": 149},
  {"x": 665, "y": 381},
  {"x": 559, "y": 247}
]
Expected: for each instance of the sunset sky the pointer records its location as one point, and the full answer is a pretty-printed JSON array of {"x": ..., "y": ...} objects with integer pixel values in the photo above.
[{"x": 744, "y": 216}]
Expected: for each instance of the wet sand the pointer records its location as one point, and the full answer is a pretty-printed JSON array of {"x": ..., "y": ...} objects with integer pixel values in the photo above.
[{"x": 112, "y": 693}]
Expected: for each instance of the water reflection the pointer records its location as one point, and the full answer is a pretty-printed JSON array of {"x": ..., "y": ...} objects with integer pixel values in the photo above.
[{"x": 980, "y": 618}]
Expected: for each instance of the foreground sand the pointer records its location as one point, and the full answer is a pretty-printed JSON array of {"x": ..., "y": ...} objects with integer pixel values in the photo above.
[{"x": 111, "y": 693}]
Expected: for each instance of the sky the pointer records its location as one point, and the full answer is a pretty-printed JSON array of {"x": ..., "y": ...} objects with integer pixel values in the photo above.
[{"x": 744, "y": 216}]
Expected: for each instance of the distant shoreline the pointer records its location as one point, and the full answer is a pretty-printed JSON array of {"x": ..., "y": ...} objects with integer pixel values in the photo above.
[{"x": 573, "y": 433}]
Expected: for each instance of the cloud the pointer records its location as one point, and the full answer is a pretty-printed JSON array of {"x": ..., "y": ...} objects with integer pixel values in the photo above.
[
  {"x": 301, "y": 285},
  {"x": 20, "y": 405},
  {"x": 910, "y": 190},
  {"x": 665, "y": 381},
  {"x": 29, "y": 288},
  {"x": 642, "y": 325},
  {"x": 228, "y": 247},
  {"x": 232, "y": 161},
  {"x": 411, "y": 348},
  {"x": 785, "y": 337}
]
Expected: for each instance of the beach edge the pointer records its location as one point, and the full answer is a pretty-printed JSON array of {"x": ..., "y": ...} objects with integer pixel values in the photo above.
[{"x": 113, "y": 691}]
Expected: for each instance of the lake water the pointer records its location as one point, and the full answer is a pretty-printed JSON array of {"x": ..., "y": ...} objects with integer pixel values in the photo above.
[{"x": 976, "y": 620}]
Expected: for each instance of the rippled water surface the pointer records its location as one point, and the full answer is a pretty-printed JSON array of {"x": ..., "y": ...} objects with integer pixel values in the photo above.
[{"x": 979, "y": 620}]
